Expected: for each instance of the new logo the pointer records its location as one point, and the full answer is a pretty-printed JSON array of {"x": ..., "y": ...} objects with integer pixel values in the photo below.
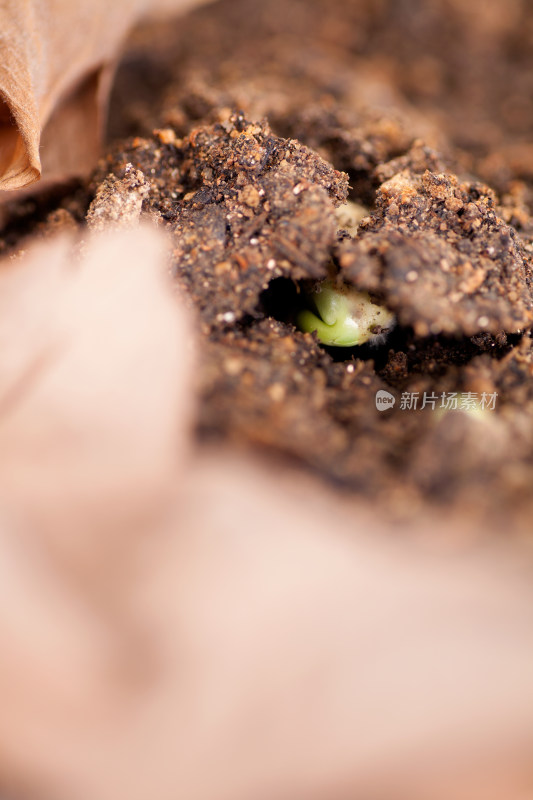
[{"x": 384, "y": 400}]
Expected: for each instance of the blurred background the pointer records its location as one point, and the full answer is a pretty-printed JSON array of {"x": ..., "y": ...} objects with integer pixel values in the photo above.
[{"x": 458, "y": 74}]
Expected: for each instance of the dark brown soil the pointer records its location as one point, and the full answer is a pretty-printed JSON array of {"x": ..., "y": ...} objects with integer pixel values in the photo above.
[{"x": 242, "y": 129}]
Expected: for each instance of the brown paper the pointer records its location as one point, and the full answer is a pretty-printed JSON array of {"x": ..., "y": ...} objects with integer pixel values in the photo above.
[{"x": 56, "y": 62}]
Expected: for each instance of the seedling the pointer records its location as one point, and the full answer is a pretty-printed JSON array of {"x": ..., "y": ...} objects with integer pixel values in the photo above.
[{"x": 343, "y": 316}]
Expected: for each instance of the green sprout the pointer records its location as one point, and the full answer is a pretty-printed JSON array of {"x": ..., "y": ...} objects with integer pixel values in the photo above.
[{"x": 346, "y": 316}]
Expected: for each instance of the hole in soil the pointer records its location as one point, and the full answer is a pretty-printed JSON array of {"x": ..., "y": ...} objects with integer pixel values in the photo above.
[
  {"x": 433, "y": 355},
  {"x": 284, "y": 298},
  {"x": 363, "y": 188}
]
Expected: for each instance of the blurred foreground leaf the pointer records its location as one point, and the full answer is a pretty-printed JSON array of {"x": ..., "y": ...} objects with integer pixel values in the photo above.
[{"x": 56, "y": 65}]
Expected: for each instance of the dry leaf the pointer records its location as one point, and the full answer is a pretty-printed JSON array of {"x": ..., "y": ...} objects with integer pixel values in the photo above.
[
  {"x": 56, "y": 64},
  {"x": 93, "y": 392},
  {"x": 94, "y": 409},
  {"x": 320, "y": 655},
  {"x": 287, "y": 648}
]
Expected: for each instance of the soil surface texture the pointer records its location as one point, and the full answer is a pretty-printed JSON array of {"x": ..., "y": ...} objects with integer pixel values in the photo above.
[{"x": 387, "y": 143}]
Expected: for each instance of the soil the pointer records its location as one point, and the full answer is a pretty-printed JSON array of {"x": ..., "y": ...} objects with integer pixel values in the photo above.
[{"x": 243, "y": 129}]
